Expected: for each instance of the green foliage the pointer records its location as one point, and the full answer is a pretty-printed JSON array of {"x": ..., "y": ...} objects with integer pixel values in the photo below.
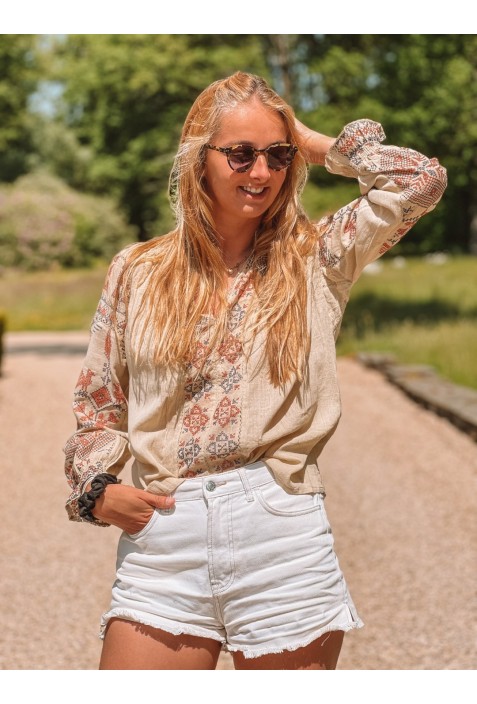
[
  {"x": 18, "y": 74},
  {"x": 423, "y": 89},
  {"x": 126, "y": 97},
  {"x": 320, "y": 200},
  {"x": 57, "y": 149},
  {"x": 43, "y": 222},
  {"x": 120, "y": 102}
]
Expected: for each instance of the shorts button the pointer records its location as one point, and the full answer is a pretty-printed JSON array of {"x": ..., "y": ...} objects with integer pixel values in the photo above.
[{"x": 210, "y": 486}]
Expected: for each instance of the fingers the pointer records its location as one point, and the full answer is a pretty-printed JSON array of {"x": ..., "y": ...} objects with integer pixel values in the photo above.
[
  {"x": 313, "y": 145},
  {"x": 159, "y": 501}
]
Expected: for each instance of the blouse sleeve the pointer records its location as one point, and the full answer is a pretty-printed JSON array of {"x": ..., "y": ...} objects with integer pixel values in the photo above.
[
  {"x": 100, "y": 443},
  {"x": 398, "y": 186}
]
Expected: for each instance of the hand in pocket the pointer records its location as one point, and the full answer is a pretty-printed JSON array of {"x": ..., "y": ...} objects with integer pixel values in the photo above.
[{"x": 129, "y": 508}]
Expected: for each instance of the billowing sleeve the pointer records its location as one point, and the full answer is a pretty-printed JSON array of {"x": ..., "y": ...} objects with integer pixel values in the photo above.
[
  {"x": 100, "y": 443},
  {"x": 398, "y": 186}
]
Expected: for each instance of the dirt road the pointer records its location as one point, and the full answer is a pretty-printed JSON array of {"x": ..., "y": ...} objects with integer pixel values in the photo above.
[{"x": 401, "y": 496}]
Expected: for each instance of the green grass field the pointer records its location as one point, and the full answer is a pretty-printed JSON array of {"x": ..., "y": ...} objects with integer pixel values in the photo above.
[
  {"x": 53, "y": 300},
  {"x": 422, "y": 312}
]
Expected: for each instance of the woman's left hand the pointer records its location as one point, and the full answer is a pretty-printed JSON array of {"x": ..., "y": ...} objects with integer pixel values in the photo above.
[{"x": 311, "y": 144}]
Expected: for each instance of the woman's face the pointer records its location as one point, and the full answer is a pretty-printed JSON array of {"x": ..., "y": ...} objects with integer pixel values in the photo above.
[{"x": 239, "y": 197}]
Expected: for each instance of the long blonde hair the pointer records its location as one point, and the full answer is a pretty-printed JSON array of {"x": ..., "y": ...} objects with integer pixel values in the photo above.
[{"x": 185, "y": 269}]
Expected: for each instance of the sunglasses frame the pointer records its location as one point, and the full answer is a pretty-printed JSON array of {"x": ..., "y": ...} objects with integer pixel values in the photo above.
[{"x": 256, "y": 153}]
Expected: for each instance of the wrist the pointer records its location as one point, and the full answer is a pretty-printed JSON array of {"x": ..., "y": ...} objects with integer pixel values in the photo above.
[{"x": 95, "y": 489}]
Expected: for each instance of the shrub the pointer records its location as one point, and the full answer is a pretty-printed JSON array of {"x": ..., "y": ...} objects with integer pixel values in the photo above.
[{"x": 44, "y": 222}]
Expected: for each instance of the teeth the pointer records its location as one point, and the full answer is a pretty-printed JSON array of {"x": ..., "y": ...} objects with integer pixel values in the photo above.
[{"x": 256, "y": 191}]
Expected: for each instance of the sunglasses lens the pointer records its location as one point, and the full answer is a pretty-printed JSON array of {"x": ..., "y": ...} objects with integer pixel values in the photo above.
[
  {"x": 241, "y": 157},
  {"x": 280, "y": 156}
]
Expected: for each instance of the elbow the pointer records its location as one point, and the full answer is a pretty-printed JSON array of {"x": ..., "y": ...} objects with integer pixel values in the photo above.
[
  {"x": 428, "y": 185},
  {"x": 437, "y": 176}
]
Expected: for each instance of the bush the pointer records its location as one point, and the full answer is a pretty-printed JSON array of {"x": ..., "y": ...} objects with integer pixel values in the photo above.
[{"x": 44, "y": 222}]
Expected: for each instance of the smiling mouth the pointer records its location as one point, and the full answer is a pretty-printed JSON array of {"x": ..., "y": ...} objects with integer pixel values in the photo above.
[{"x": 253, "y": 191}]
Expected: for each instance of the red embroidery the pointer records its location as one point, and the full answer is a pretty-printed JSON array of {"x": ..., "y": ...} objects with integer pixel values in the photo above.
[
  {"x": 226, "y": 412},
  {"x": 85, "y": 379},
  {"x": 101, "y": 397},
  {"x": 215, "y": 395},
  {"x": 195, "y": 420},
  {"x": 231, "y": 349}
]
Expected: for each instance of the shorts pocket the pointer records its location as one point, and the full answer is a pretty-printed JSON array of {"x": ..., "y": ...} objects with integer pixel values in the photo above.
[
  {"x": 279, "y": 502},
  {"x": 141, "y": 533}
]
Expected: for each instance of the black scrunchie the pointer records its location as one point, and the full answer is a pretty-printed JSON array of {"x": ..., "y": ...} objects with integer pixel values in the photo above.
[{"x": 87, "y": 501}]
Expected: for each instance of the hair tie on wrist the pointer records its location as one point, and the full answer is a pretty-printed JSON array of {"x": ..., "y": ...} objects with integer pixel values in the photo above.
[{"x": 87, "y": 501}]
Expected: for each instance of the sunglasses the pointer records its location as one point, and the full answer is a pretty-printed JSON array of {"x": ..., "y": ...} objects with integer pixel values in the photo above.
[{"x": 241, "y": 157}]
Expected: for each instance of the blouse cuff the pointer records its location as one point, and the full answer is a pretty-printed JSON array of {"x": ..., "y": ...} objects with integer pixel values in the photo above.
[
  {"x": 72, "y": 507},
  {"x": 348, "y": 156}
]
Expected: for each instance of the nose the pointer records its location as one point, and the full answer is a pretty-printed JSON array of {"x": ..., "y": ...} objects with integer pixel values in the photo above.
[{"x": 260, "y": 169}]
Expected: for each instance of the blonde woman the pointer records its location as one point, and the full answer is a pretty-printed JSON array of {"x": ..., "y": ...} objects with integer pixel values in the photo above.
[{"x": 212, "y": 362}]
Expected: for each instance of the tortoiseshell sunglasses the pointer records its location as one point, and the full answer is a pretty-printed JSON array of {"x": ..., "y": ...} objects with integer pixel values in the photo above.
[{"x": 241, "y": 157}]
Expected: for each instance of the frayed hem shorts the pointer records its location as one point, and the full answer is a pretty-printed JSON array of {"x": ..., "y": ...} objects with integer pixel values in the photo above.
[{"x": 239, "y": 560}]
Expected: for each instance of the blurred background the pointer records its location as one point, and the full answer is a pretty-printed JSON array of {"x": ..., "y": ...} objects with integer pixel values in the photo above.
[{"x": 89, "y": 125}]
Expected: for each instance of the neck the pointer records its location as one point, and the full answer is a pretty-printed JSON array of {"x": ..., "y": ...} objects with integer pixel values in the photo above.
[{"x": 236, "y": 241}]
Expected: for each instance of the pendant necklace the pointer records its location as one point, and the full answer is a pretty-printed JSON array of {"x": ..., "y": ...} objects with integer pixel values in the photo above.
[{"x": 233, "y": 269}]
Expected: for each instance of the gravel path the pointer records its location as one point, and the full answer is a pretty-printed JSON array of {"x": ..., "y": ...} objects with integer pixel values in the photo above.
[{"x": 401, "y": 488}]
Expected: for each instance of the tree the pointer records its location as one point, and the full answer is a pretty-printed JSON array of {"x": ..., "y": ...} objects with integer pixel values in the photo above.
[
  {"x": 18, "y": 76},
  {"x": 423, "y": 88},
  {"x": 126, "y": 96}
]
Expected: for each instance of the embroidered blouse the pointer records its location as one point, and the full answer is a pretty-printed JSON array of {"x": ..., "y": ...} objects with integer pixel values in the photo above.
[{"x": 182, "y": 425}]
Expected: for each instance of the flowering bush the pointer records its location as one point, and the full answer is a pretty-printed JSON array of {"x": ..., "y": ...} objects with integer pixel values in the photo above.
[{"x": 43, "y": 222}]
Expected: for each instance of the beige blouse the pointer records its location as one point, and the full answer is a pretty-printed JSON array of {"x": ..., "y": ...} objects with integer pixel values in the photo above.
[{"x": 178, "y": 426}]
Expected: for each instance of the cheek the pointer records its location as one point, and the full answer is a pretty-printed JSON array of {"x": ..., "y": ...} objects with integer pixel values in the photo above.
[
  {"x": 217, "y": 180},
  {"x": 280, "y": 177}
]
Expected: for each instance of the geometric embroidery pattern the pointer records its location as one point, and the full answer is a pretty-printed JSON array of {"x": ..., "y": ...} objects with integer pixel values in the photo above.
[
  {"x": 417, "y": 177},
  {"x": 101, "y": 397},
  {"x": 99, "y": 402},
  {"x": 211, "y": 420}
]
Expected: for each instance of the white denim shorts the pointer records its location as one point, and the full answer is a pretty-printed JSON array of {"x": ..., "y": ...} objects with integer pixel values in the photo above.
[{"x": 239, "y": 560}]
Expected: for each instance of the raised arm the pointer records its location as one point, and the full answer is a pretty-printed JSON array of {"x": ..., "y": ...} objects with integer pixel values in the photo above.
[{"x": 398, "y": 186}]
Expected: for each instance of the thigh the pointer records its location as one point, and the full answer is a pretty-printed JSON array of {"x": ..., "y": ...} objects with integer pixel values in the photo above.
[
  {"x": 129, "y": 645},
  {"x": 322, "y": 654}
]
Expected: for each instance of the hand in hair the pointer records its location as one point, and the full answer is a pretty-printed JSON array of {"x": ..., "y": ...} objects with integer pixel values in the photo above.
[{"x": 311, "y": 144}]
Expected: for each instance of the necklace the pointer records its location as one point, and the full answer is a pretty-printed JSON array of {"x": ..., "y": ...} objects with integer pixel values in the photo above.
[{"x": 231, "y": 270}]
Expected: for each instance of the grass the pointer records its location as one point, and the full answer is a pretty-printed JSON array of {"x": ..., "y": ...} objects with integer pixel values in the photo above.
[
  {"x": 423, "y": 312},
  {"x": 53, "y": 300}
]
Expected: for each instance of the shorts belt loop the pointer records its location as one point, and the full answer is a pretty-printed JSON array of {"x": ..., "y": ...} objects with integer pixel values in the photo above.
[{"x": 246, "y": 485}]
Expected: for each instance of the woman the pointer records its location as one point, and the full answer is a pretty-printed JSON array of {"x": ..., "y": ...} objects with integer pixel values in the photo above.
[{"x": 212, "y": 362}]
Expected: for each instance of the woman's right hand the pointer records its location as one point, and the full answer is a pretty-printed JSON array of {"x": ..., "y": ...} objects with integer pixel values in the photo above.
[{"x": 128, "y": 508}]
